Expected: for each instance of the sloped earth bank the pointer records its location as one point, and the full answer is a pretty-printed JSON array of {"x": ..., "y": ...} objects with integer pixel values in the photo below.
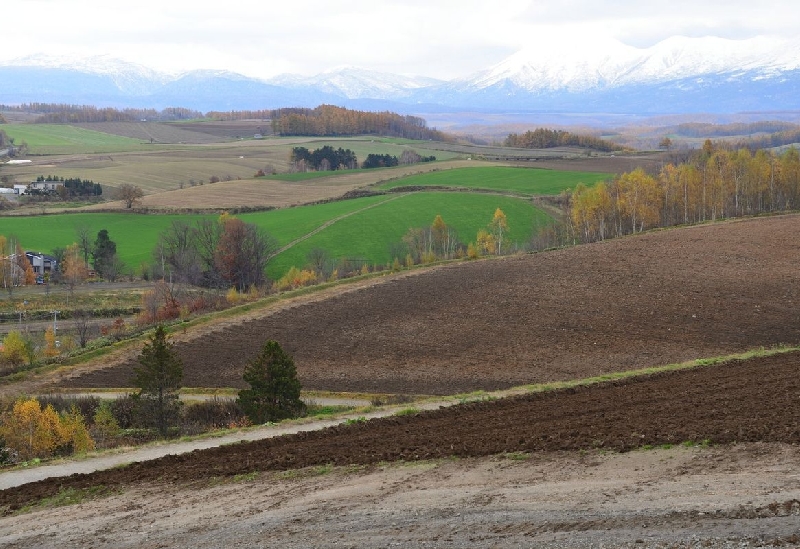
[
  {"x": 629, "y": 303},
  {"x": 574, "y": 489}
]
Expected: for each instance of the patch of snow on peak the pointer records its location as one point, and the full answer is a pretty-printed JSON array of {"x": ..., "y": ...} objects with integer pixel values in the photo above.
[{"x": 599, "y": 63}]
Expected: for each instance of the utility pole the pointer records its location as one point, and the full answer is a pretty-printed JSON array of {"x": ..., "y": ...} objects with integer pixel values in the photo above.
[{"x": 55, "y": 321}]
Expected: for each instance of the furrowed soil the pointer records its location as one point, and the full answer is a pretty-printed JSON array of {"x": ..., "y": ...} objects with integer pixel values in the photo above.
[
  {"x": 750, "y": 407},
  {"x": 655, "y": 299},
  {"x": 561, "y": 468}
]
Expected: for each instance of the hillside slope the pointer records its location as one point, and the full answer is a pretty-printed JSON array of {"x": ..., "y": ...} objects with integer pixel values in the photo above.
[{"x": 653, "y": 299}]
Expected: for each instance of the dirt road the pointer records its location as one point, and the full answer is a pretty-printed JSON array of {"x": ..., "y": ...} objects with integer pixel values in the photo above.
[{"x": 747, "y": 495}]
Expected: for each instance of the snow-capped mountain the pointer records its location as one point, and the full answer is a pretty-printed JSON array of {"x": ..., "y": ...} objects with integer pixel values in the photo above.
[
  {"x": 612, "y": 64},
  {"x": 355, "y": 83},
  {"x": 130, "y": 78},
  {"x": 678, "y": 74}
]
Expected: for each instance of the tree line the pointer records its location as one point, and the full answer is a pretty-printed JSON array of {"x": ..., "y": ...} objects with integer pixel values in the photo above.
[
  {"x": 324, "y": 120},
  {"x": 64, "y": 113},
  {"x": 323, "y": 159},
  {"x": 75, "y": 186},
  {"x": 389, "y": 160},
  {"x": 329, "y": 120},
  {"x": 543, "y": 138},
  {"x": 770, "y": 140},
  {"x": 229, "y": 116},
  {"x": 715, "y": 183},
  {"x": 703, "y": 129},
  {"x": 215, "y": 253},
  {"x": 327, "y": 158}
]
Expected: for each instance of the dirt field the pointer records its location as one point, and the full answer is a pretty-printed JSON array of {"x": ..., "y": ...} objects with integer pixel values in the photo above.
[
  {"x": 655, "y": 299},
  {"x": 536, "y": 492},
  {"x": 660, "y": 498},
  {"x": 541, "y": 470}
]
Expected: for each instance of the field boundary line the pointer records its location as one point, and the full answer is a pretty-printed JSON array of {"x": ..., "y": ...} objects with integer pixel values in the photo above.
[{"x": 331, "y": 222}]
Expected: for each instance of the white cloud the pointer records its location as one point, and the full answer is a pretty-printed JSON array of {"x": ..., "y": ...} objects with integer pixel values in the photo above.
[{"x": 444, "y": 38}]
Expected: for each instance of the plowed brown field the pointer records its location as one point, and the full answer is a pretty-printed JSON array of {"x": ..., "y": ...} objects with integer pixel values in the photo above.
[
  {"x": 742, "y": 401},
  {"x": 642, "y": 301},
  {"x": 654, "y": 299}
]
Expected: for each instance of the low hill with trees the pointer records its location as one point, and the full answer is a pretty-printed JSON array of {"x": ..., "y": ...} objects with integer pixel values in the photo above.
[
  {"x": 328, "y": 120},
  {"x": 543, "y": 138}
]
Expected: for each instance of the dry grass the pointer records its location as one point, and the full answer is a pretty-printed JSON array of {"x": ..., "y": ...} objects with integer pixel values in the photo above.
[{"x": 262, "y": 193}]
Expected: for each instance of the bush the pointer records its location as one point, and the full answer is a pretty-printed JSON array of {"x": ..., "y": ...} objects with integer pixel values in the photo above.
[
  {"x": 124, "y": 411},
  {"x": 213, "y": 414},
  {"x": 86, "y": 405},
  {"x": 36, "y": 432}
]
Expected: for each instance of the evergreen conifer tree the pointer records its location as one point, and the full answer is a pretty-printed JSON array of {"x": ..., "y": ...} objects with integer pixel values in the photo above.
[
  {"x": 159, "y": 378},
  {"x": 274, "y": 392}
]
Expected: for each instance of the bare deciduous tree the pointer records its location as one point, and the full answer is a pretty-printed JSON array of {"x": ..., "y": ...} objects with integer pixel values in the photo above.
[
  {"x": 85, "y": 244},
  {"x": 130, "y": 194},
  {"x": 81, "y": 321},
  {"x": 215, "y": 253}
]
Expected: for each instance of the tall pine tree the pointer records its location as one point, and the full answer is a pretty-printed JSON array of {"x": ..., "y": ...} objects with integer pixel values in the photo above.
[
  {"x": 274, "y": 392},
  {"x": 159, "y": 377}
]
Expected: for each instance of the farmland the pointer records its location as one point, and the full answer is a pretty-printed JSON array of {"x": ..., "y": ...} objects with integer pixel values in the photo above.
[
  {"x": 177, "y": 158},
  {"x": 626, "y": 304},
  {"x": 532, "y": 462},
  {"x": 365, "y": 235},
  {"x": 601, "y": 395},
  {"x": 51, "y": 139},
  {"x": 524, "y": 181},
  {"x": 175, "y": 174}
]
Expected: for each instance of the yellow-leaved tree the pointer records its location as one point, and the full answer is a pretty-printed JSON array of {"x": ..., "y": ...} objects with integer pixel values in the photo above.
[
  {"x": 73, "y": 269},
  {"x": 498, "y": 228},
  {"x": 14, "y": 349},
  {"x": 75, "y": 434},
  {"x": 30, "y": 430},
  {"x": 485, "y": 242},
  {"x": 50, "y": 343},
  {"x": 36, "y": 432}
]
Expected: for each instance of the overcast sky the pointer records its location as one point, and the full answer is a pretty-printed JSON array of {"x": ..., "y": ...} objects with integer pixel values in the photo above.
[{"x": 438, "y": 38}]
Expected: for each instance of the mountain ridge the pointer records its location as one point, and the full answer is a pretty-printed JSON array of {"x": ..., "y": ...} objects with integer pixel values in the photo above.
[{"x": 678, "y": 74}]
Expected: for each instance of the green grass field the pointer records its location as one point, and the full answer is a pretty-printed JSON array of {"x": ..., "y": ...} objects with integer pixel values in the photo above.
[
  {"x": 526, "y": 181},
  {"x": 44, "y": 139},
  {"x": 290, "y": 223},
  {"x": 366, "y": 234},
  {"x": 134, "y": 234}
]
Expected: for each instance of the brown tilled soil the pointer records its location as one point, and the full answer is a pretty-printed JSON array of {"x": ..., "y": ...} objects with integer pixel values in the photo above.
[
  {"x": 743, "y": 403},
  {"x": 648, "y": 300},
  {"x": 654, "y": 299}
]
